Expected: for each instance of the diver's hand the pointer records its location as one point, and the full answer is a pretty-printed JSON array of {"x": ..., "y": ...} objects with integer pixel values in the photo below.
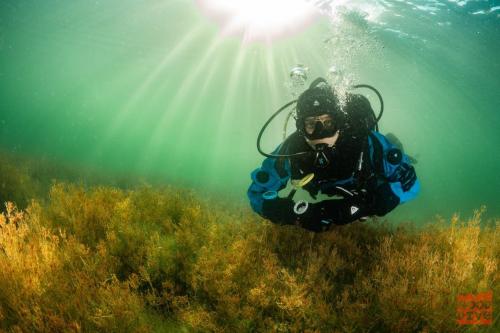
[
  {"x": 322, "y": 215},
  {"x": 315, "y": 219},
  {"x": 279, "y": 210},
  {"x": 405, "y": 174}
]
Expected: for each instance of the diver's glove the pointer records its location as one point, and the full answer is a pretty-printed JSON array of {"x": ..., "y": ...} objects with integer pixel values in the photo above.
[
  {"x": 405, "y": 174},
  {"x": 279, "y": 210},
  {"x": 321, "y": 215}
]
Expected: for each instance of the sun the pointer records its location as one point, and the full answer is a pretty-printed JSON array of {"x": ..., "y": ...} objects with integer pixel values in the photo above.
[{"x": 260, "y": 19}]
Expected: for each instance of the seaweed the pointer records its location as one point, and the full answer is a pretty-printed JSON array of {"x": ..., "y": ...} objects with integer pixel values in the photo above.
[{"x": 150, "y": 258}]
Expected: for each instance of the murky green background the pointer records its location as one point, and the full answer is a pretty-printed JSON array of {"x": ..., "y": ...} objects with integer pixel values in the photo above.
[{"x": 152, "y": 89}]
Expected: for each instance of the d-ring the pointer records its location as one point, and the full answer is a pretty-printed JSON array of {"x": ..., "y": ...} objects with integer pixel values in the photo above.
[{"x": 300, "y": 207}]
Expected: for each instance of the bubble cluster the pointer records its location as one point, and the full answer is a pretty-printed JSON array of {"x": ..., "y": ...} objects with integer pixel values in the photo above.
[
  {"x": 298, "y": 79},
  {"x": 341, "y": 82},
  {"x": 350, "y": 46}
]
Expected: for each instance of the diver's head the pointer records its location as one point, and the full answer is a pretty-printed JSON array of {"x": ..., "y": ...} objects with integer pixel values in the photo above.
[{"x": 319, "y": 116}]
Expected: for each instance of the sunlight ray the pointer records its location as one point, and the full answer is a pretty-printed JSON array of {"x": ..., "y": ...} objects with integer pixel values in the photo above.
[
  {"x": 250, "y": 83},
  {"x": 188, "y": 125},
  {"x": 229, "y": 114},
  {"x": 271, "y": 75},
  {"x": 171, "y": 55},
  {"x": 130, "y": 106},
  {"x": 185, "y": 88}
]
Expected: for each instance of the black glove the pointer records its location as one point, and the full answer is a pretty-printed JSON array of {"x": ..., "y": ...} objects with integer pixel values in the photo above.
[
  {"x": 320, "y": 216},
  {"x": 405, "y": 174},
  {"x": 279, "y": 210}
]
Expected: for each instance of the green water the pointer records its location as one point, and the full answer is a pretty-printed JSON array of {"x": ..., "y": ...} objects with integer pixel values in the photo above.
[{"x": 153, "y": 89}]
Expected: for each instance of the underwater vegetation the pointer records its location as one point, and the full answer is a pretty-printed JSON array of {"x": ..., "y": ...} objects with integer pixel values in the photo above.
[
  {"x": 25, "y": 177},
  {"x": 159, "y": 259}
]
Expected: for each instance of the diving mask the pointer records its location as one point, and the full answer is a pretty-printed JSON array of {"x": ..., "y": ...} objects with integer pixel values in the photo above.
[{"x": 319, "y": 127}]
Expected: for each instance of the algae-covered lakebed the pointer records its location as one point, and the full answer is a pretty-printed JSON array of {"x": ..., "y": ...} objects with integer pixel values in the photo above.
[
  {"x": 160, "y": 259},
  {"x": 128, "y": 134}
]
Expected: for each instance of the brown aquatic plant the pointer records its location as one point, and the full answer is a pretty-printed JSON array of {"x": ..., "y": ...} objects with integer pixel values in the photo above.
[{"x": 103, "y": 259}]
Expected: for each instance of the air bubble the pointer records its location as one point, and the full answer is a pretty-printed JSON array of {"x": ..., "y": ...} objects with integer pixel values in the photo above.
[
  {"x": 299, "y": 73},
  {"x": 298, "y": 78}
]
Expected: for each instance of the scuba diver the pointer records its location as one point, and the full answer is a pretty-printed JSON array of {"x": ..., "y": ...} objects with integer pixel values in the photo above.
[{"x": 337, "y": 153}]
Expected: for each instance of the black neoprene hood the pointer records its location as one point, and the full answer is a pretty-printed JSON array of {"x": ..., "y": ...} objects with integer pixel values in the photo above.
[{"x": 317, "y": 101}]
